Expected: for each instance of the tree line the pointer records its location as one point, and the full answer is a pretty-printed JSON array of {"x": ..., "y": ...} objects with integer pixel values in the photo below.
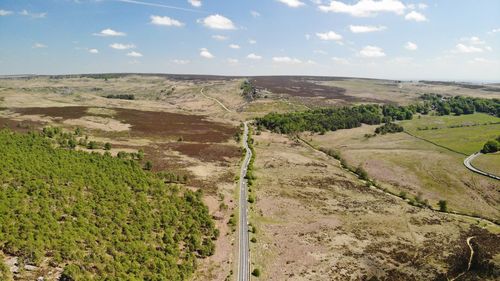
[
  {"x": 121, "y": 96},
  {"x": 459, "y": 105},
  {"x": 331, "y": 119}
]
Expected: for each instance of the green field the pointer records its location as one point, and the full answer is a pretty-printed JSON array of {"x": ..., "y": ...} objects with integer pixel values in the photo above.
[
  {"x": 465, "y": 134},
  {"x": 488, "y": 162}
]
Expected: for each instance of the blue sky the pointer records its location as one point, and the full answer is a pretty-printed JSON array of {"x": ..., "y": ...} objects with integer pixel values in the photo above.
[{"x": 441, "y": 40}]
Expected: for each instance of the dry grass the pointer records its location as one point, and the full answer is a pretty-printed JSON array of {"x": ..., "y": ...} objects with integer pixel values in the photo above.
[
  {"x": 488, "y": 162},
  {"x": 316, "y": 222},
  {"x": 403, "y": 163}
]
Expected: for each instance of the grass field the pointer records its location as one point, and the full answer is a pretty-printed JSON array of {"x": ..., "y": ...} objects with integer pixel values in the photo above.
[
  {"x": 403, "y": 163},
  {"x": 465, "y": 134},
  {"x": 488, "y": 162}
]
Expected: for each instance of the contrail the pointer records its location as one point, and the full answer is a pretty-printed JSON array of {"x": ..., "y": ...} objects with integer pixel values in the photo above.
[{"x": 160, "y": 6}]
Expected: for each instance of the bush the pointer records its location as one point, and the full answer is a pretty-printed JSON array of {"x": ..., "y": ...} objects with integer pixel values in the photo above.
[
  {"x": 443, "y": 205},
  {"x": 256, "y": 272},
  {"x": 403, "y": 195},
  {"x": 107, "y": 146},
  {"x": 253, "y": 240},
  {"x": 148, "y": 166},
  {"x": 92, "y": 145},
  {"x": 389, "y": 128},
  {"x": 491, "y": 146},
  {"x": 361, "y": 173}
]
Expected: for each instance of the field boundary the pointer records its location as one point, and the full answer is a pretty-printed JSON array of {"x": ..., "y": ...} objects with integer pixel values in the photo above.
[{"x": 431, "y": 142}]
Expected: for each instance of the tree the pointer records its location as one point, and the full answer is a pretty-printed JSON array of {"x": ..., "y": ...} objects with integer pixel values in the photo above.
[
  {"x": 490, "y": 147},
  {"x": 140, "y": 154},
  {"x": 148, "y": 166},
  {"x": 256, "y": 272},
  {"x": 107, "y": 146},
  {"x": 72, "y": 143},
  {"x": 92, "y": 145},
  {"x": 78, "y": 131},
  {"x": 443, "y": 205},
  {"x": 253, "y": 240}
]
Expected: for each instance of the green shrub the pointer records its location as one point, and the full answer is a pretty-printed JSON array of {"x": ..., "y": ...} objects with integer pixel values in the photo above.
[
  {"x": 443, "y": 205},
  {"x": 361, "y": 173},
  {"x": 256, "y": 272},
  {"x": 490, "y": 146}
]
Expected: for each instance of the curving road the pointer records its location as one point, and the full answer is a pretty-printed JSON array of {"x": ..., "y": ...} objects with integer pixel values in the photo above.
[
  {"x": 468, "y": 164},
  {"x": 214, "y": 99},
  {"x": 244, "y": 259}
]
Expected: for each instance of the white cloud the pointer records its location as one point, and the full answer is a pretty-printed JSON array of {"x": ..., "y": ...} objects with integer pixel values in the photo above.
[
  {"x": 292, "y": 3},
  {"x": 253, "y": 56},
  {"x": 311, "y": 62},
  {"x": 411, "y": 46},
  {"x": 495, "y": 30},
  {"x": 255, "y": 14},
  {"x": 479, "y": 60},
  {"x": 180, "y": 62},
  {"x": 195, "y": 3},
  {"x": 415, "y": 16},
  {"x": 232, "y": 61},
  {"x": 321, "y": 52},
  {"x": 365, "y": 8},
  {"x": 5, "y": 13},
  {"x": 39, "y": 46},
  {"x": 473, "y": 40},
  {"x": 33, "y": 15},
  {"x": 165, "y": 21},
  {"x": 93, "y": 51},
  {"x": 108, "y": 32},
  {"x": 286, "y": 60},
  {"x": 118, "y": 46},
  {"x": 330, "y": 35},
  {"x": 206, "y": 54},
  {"x": 219, "y": 37},
  {"x": 471, "y": 45},
  {"x": 372, "y": 52},
  {"x": 340, "y": 60},
  {"x": 366, "y": 28},
  {"x": 465, "y": 49},
  {"x": 422, "y": 6},
  {"x": 234, "y": 46},
  {"x": 218, "y": 22},
  {"x": 134, "y": 54},
  {"x": 308, "y": 36},
  {"x": 251, "y": 41}
]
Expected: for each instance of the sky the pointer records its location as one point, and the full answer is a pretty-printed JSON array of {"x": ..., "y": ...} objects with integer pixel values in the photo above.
[{"x": 455, "y": 40}]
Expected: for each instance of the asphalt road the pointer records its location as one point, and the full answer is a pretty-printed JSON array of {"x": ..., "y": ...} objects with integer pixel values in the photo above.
[
  {"x": 244, "y": 252},
  {"x": 467, "y": 163}
]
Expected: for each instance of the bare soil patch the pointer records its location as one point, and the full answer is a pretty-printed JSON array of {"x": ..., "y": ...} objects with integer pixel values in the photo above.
[{"x": 206, "y": 151}]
